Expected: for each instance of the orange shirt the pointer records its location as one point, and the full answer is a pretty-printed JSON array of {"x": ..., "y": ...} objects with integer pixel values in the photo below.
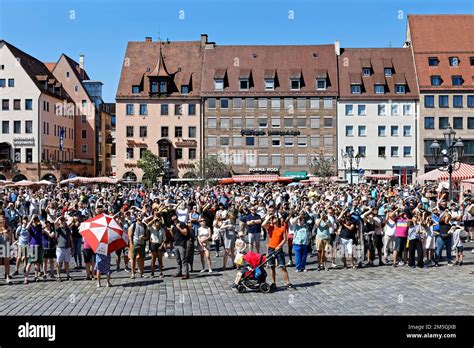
[{"x": 276, "y": 235}]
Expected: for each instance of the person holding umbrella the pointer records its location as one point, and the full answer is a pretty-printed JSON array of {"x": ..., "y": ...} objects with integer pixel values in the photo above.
[{"x": 102, "y": 266}]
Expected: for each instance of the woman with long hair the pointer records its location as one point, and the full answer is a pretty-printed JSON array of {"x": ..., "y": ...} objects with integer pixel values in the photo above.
[
  {"x": 229, "y": 236},
  {"x": 204, "y": 240},
  {"x": 157, "y": 244}
]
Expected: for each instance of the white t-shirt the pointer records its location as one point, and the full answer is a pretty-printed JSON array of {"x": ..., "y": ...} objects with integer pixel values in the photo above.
[{"x": 390, "y": 228}]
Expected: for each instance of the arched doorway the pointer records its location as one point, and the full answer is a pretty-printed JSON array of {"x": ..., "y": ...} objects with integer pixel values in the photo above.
[
  {"x": 19, "y": 177},
  {"x": 50, "y": 177},
  {"x": 190, "y": 175},
  {"x": 130, "y": 176}
]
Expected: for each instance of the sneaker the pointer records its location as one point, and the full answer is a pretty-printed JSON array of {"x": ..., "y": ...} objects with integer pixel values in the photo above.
[
  {"x": 152, "y": 275},
  {"x": 127, "y": 269},
  {"x": 161, "y": 274},
  {"x": 297, "y": 270},
  {"x": 436, "y": 264},
  {"x": 273, "y": 287},
  {"x": 132, "y": 276},
  {"x": 305, "y": 270},
  {"x": 333, "y": 265},
  {"x": 25, "y": 281},
  {"x": 202, "y": 271},
  {"x": 166, "y": 254},
  {"x": 394, "y": 264},
  {"x": 15, "y": 273},
  {"x": 143, "y": 275},
  {"x": 233, "y": 286},
  {"x": 172, "y": 254},
  {"x": 109, "y": 284},
  {"x": 450, "y": 263},
  {"x": 401, "y": 263},
  {"x": 217, "y": 255},
  {"x": 69, "y": 278},
  {"x": 290, "y": 286},
  {"x": 289, "y": 263},
  {"x": 98, "y": 285},
  {"x": 59, "y": 279},
  {"x": 210, "y": 270},
  {"x": 8, "y": 280}
]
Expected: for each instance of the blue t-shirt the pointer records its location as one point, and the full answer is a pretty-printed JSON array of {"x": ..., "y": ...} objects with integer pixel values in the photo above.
[
  {"x": 257, "y": 228},
  {"x": 435, "y": 219}
]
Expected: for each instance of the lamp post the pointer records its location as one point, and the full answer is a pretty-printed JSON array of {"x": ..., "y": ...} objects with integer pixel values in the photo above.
[
  {"x": 451, "y": 155},
  {"x": 348, "y": 157}
]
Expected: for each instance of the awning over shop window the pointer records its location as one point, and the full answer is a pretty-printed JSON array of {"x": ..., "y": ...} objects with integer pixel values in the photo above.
[
  {"x": 296, "y": 174},
  {"x": 380, "y": 177}
]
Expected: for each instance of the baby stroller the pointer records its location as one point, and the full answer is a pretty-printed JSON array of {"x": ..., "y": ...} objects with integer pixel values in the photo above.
[{"x": 254, "y": 274}]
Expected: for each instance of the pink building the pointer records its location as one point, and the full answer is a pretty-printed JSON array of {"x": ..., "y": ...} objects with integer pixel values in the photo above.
[{"x": 158, "y": 105}]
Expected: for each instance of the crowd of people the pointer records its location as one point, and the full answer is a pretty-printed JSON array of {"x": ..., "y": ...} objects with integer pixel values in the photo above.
[{"x": 342, "y": 226}]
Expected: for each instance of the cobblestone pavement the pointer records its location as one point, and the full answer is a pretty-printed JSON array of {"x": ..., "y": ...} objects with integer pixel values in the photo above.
[{"x": 369, "y": 291}]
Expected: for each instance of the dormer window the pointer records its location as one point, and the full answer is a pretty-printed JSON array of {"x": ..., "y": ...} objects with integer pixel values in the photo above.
[
  {"x": 356, "y": 89},
  {"x": 269, "y": 84},
  {"x": 435, "y": 80},
  {"x": 387, "y": 71},
  {"x": 244, "y": 84},
  {"x": 135, "y": 89},
  {"x": 366, "y": 72},
  {"x": 295, "y": 84},
  {"x": 433, "y": 61},
  {"x": 379, "y": 89},
  {"x": 453, "y": 61},
  {"x": 154, "y": 87},
  {"x": 321, "y": 84},
  {"x": 400, "y": 89},
  {"x": 457, "y": 80},
  {"x": 163, "y": 86},
  {"x": 184, "y": 89},
  {"x": 218, "y": 84}
]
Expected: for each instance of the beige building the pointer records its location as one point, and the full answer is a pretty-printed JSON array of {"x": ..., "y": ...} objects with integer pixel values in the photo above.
[
  {"x": 37, "y": 120},
  {"x": 269, "y": 109},
  {"x": 442, "y": 47},
  {"x": 158, "y": 106}
]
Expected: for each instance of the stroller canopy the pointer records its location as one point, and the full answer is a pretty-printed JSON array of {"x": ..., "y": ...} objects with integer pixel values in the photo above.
[{"x": 254, "y": 259}]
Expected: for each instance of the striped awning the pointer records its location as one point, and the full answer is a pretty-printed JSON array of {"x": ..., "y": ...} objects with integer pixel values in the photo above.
[
  {"x": 255, "y": 178},
  {"x": 84, "y": 180},
  {"x": 463, "y": 171},
  {"x": 380, "y": 176}
]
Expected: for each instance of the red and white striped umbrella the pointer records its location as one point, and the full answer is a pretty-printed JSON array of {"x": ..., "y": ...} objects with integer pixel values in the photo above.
[{"x": 103, "y": 234}]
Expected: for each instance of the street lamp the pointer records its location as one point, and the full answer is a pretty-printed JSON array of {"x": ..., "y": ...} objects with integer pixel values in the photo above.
[
  {"x": 451, "y": 155},
  {"x": 348, "y": 157}
]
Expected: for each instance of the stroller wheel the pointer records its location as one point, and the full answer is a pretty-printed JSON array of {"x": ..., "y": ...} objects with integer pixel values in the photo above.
[
  {"x": 264, "y": 287},
  {"x": 241, "y": 289}
]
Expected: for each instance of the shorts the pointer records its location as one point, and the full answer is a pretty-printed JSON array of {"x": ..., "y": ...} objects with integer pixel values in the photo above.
[
  {"x": 460, "y": 249},
  {"x": 88, "y": 254},
  {"x": 49, "y": 253},
  {"x": 22, "y": 250},
  {"x": 35, "y": 254},
  {"x": 206, "y": 246},
  {"x": 400, "y": 243},
  {"x": 254, "y": 237},
  {"x": 120, "y": 251},
  {"x": 138, "y": 250},
  {"x": 346, "y": 246},
  {"x": 155, "y": 247},
  {"x": 280, "y": 256},
  {"x": 322, "y": 244},
  {"x": 430, "y": 242},
  {"x": 63, "y": 255}
]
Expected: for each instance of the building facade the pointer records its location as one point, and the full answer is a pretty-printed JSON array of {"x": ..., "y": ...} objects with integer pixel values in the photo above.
[
  {"x": 158, "y": 106},
  {"x": 442, "y": 48},
  {"x": 87, "y": 96},
  {"x": 269, "y": 109},
  {"x": 377, "y": 112},
  {"x": 37, "y": 119}
]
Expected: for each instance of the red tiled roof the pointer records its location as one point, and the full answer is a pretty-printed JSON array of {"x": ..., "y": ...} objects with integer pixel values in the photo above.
[
  {"x": 352, "y": 60},
  {"x": 442, "y": 36},
  {"x": 279, "y": 62},
  {"x": 37, "y": 71},
  {"x": 183, "y": 61}
]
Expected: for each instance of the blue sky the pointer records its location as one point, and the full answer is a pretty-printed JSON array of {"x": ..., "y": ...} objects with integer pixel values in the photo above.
[{"x": 100, "y": 29}]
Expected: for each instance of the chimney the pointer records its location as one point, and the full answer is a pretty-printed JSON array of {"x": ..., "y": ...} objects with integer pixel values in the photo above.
[
  {"x": 203, "y": 40},
  {"x": 148, "y": 39},
  {"x": 337, "y": 47},
  {"x": 81, "y": 61}
]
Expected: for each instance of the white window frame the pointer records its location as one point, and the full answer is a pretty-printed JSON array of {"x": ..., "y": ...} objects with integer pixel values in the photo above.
[
  {"x": 218, "y": 84},
  {"x": 270, "y": 84}
]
